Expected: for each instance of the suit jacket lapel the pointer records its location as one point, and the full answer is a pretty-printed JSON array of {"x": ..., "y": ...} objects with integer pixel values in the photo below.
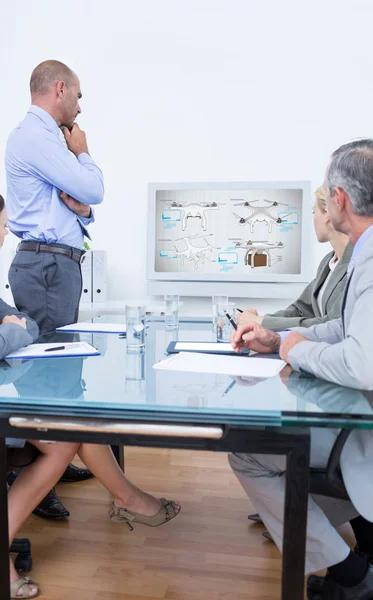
[
  {"x": 337, "y": 275},
  {"x": 318, "y": 284},
  {"x": 350, "y": 273}
]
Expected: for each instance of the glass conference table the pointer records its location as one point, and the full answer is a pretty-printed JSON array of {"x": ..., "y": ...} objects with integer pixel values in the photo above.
[{"x": 118, "y": 398}]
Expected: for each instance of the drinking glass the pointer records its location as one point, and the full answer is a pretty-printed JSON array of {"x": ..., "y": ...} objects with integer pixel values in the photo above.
[
  {"x": 215, "y": 300},
  {"x": 172, "y": 303},
  {"x": 224, "y": 327},
  {"x": 135, "y": 328}
]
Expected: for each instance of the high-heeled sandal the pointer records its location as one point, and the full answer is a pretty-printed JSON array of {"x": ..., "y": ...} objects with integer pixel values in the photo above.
[
  {"x": 166, "y": 513},
  {"x": 22, "y": 584}
]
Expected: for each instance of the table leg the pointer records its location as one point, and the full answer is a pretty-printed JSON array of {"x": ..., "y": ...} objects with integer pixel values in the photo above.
[
  {"x": 295, "y": 520},
  {"x": 4, "y": 534}
]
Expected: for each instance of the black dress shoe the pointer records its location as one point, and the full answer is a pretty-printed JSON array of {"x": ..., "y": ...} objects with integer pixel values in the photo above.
[
  {"x": 314, "y": 587},
  {"x": 333, "y": 591},
  {"x": 324, "y": 588},
  {"x": 315, "y": 582},
  {"x": 74, "y": 473},
  {"x": 50, "y": 507}
]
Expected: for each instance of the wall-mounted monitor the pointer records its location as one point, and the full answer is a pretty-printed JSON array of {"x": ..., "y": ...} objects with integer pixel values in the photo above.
[{"x": 253, "y": 232}]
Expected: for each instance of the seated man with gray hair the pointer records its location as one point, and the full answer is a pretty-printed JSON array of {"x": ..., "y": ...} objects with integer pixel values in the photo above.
[{"x": 339, "y": 351}]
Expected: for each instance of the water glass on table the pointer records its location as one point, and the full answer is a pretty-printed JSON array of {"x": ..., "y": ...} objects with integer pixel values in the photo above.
[
  {"x": 135, "y": 328},
  {"x": 223, "y": 326},
  {"x": 135, "y": 373},
  {"x": 172, "y": 303},
  {"x": 215, "y": 300}
]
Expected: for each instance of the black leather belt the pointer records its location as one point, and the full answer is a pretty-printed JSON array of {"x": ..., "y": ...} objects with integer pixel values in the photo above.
[{"x": 73, "y": 253}]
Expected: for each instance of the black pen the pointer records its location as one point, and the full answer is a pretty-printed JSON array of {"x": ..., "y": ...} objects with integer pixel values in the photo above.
[
  {"x": 239, "y": 310},
  {"x": 230, "y": 320},
  {"x": 55, "y": 349}
]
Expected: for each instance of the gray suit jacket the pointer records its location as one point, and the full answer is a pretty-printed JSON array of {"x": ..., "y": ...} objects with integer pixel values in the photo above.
[
  {"x": 13, "y": 337},
  {"x": 305, "y": 311},
  {"x": 341, "y": 350}
]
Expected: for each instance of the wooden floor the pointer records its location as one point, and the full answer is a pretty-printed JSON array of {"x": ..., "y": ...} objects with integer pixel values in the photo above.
[{"x": 209, "y": 552}]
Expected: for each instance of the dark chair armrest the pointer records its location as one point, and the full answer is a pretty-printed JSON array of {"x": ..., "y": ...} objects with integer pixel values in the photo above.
[{"x": 333, "y": 469}]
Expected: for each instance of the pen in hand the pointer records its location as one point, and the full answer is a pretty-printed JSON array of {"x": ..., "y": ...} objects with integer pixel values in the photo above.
[{"x": 230, "y": 320}]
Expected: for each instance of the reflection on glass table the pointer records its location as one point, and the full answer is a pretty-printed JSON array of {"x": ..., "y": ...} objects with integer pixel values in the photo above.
[{"x": 118, "y": 383}]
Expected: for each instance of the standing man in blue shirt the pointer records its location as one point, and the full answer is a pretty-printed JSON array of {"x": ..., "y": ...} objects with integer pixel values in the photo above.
[{"x": 51, "y": 187}]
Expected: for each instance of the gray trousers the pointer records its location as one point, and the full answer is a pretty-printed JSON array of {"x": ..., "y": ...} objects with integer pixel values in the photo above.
[
  {"x": 47, "y": 287},
  {"x": 263, "y": 479}
]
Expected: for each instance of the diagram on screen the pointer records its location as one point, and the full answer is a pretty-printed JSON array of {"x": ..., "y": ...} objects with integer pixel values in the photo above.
[
  {"x": 186, "y": 251},
  {"x": 260, "y": 254},
  {"x": 261, "y": 213},
  {"x": 191, "y": 210},
  {"x": 230, "y": 232}
]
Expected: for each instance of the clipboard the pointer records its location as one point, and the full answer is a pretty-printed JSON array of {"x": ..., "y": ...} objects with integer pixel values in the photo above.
[
  {"x": 71, "y": 350},
  {"x": 109, "y": 328},
  {"x": 205, "y": 348}
]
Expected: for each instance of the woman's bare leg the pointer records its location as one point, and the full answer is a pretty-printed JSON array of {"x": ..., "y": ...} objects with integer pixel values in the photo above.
[
  {"x": 36, "y": 480},
  {"x": 100, "y": 460},
  {"x": 32, "y": 484}
]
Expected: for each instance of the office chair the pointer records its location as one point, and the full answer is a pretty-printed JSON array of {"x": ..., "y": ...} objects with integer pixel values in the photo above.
[
  {"x": 329, "y": 481},
  {"x": 326, "y": 482}
]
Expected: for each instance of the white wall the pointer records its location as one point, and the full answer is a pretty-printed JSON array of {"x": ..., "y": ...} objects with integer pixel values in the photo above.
[{"x": 194, "y": 90}]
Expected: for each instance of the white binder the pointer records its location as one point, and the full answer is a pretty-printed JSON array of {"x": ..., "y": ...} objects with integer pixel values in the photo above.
[
  {"x": 86, "y": 266},
  {"x": 99, "y": 276}
]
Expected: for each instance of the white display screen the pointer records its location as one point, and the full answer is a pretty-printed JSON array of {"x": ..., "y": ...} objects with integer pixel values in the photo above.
[{"x": 238, "y": 232}]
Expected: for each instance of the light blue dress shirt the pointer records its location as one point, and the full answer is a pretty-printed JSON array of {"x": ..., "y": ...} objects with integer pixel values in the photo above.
[
  {"x": 360, "y": 243},
  {"x": 38, "y": 167}
]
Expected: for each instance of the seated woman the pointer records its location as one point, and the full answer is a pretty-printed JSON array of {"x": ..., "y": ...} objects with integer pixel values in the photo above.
[
  {"x": 130, "y": 504},
  {"x": 321, "y": 299}
]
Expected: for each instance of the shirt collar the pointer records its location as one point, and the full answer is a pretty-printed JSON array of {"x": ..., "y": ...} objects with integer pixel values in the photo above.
[
  {"x": 45, "y": 117},
  {"x": 360, "y": 243}
]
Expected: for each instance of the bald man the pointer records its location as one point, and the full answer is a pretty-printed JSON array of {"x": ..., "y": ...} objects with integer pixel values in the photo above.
[{"x": 51, "y": 187}]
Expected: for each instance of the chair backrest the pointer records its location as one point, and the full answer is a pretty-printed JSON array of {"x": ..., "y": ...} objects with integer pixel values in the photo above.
[
  {"x": 329, "y": 482},
  {"x": 322, "y": 485}
]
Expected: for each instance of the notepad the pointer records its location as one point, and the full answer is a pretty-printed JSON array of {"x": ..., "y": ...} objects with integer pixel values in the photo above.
[
  {"x": 119, "y": 328},
  {"x": 38, "y": 351},
  {"x": 240, "y": 366},
  {"x": 207, "y": 347}
]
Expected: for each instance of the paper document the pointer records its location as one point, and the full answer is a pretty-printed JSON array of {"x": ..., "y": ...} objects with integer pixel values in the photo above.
[
  {"x": 242, "y": 366},
  {"x": 204, "y": 347},
  {"x": 51, "y": 351},
  {"x": 95, "y": 328}
]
